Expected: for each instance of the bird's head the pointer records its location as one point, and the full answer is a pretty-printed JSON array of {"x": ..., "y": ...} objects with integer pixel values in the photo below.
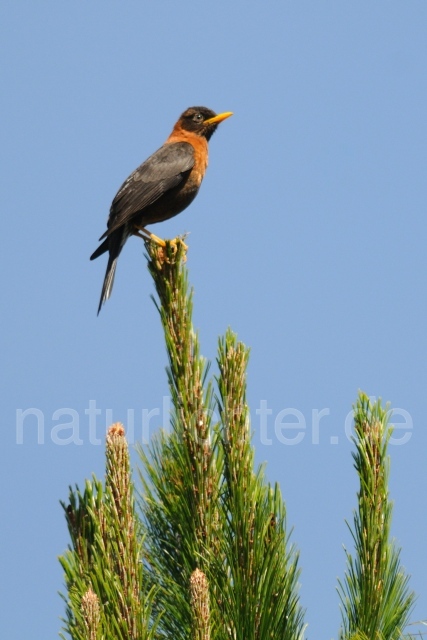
[{"x": 201, "y": 121}]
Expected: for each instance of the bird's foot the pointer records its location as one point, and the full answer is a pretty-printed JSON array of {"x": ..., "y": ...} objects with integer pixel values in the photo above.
[
  {"x": 174, "y": 250},
  {"x": 174, "y": 243},
  {"x": 140, "y": 231},
  {"x": 167, "y": 250}
]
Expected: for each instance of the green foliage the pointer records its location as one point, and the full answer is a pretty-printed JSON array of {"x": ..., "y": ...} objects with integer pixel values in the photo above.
[
  {"x": 261, "y": 600},
  {"x": 375, "y": 596},
  {"x": 103, "y": 567},
  {"x": 209, "y": 555},
  {"x": 205, "y": 506}
]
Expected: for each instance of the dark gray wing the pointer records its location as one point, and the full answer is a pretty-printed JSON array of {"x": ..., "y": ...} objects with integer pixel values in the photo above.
[{"x": 162, "y": 171}]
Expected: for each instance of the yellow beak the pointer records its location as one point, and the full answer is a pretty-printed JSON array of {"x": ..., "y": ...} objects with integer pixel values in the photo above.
[{"x": 219, "y": 118}]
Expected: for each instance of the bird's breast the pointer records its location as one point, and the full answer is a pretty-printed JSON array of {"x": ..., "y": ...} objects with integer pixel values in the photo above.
[{"x": 201, "y": 152}]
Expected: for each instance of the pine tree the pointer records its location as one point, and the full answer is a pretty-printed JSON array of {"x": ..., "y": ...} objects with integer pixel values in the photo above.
[
  {"x": 376, "y": 601},
  {"x": 205, "y": 553}
]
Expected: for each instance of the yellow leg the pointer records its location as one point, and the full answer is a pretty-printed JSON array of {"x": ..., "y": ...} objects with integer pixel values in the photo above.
[
  {"x": 150, "y": 235},
  {"x": 140, "y": 231}
]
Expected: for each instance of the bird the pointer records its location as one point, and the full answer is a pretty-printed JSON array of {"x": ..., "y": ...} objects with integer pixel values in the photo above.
[{"x": 160, "y": 188}]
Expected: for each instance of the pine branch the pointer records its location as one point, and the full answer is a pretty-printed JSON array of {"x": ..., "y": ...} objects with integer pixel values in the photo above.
[
  {"x": 375, "y": 596},
  {"x": 263, "y": 598},
  {"x": 103, "y": 568},
  {"x": 182, "y": 470}
]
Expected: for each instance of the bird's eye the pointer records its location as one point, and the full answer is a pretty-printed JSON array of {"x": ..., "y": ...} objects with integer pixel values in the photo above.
[{"x": 198, "y": 117}]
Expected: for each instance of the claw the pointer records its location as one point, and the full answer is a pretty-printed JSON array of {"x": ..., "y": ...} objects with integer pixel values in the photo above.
[
  {"x": 148, "y": 236},
  {"x": 173, "y": 250},
  {"x": 174, "y": 244}
]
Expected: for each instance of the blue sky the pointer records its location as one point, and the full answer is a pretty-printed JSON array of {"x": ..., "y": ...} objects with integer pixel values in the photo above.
[{"x": 307, "y": 238}]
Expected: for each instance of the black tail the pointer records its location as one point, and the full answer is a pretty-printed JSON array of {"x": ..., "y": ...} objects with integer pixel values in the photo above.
[
  {"x": 107, "y": 287},
  {"x": 101, "y": 249},
  {"x": 113, "y": 244}
]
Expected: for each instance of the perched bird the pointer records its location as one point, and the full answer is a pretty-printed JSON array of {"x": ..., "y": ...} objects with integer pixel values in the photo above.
[{"x": 160, "y": 188}]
